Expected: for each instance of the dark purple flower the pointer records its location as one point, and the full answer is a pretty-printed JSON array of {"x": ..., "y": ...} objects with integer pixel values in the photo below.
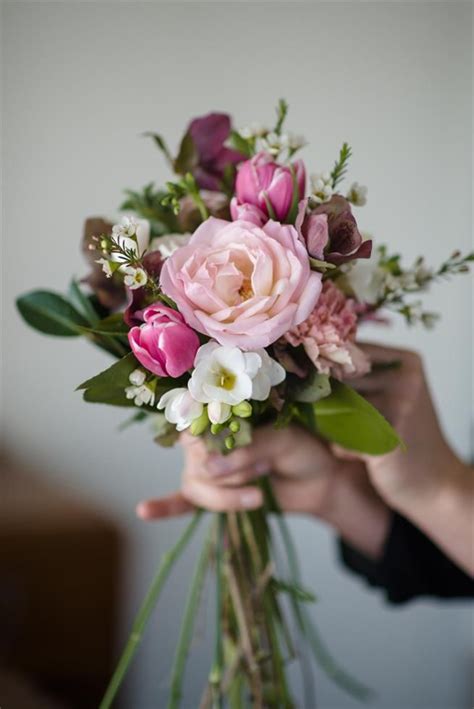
[
  {"x": 209, "y": 134},
  {"x": 345, "y": 240}
]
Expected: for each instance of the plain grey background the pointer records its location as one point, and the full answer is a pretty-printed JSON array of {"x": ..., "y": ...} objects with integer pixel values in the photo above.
[{"x": 81, "y": 81}]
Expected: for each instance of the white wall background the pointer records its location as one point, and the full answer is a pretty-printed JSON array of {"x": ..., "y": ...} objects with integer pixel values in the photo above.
[{"x": 82, "y": 80}]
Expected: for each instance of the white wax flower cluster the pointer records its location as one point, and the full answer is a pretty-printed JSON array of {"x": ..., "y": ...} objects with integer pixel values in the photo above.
[{"x": 321, "y": 184}]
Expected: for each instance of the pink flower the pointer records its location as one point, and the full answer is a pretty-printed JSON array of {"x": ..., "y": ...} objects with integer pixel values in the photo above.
[
  {"x": 267, "y": 187},
  {"x": 164, "y": 344},
  {"x": 313, "y": 230},
  {"x": 328, "y": 335},
  {"x": 242, "y": 284}
]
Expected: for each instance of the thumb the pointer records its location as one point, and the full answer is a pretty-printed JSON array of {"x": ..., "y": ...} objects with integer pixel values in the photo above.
[{"x": 163, "y": 507}]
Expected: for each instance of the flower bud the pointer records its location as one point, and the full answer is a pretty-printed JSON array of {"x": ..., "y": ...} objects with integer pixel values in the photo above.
[
  {"x": 229, "y": 442},
  {"x": 200, "y": 424},
  {"x": 242, "y": 410},
  {"x": 234, "y": 426}
]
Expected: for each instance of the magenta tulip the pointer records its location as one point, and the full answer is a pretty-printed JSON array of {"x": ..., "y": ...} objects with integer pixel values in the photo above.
[{"x": 164, "y": 344}]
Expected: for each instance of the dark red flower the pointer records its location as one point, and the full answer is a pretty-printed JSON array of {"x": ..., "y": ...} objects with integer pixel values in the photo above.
[
  {"x": 208, "y": 134},
  {"x": 345, "y": 240}
]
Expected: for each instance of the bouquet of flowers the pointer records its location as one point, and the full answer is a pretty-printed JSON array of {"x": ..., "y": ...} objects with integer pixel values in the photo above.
[{"x": 231, "y": 299}]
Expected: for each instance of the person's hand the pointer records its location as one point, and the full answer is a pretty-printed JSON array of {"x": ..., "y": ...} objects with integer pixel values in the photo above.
[
  {"x": 305, "y": 475},
  {"x": 401, "y": 394}
]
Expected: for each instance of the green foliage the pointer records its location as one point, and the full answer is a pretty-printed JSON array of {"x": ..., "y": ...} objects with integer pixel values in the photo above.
[
  {"x": 83, "y": 303},
  {"x": 161, "y": 145},
  {"x": 340, "y": 166},
  {"x": 113, "y": 325},
  {"x": 322, "y": 266},
  {"x": 108, "y": 387},
  {"x": 315, "y": 388},
  {"x": 246, "y": 146},
  {"x": 51, "y": 314},
  {"x": 348, "y": 419},
  {"x": 176, "y": 191},
  {"x": 147, "y": 204},
  {"x": 282, "y": 112},
  {"x": 295, "y": 590},
  {"x": 187, "y": 157}
]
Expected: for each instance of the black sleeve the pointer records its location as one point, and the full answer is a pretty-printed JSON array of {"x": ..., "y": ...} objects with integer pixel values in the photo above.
[{"x": 411, "y": 565}]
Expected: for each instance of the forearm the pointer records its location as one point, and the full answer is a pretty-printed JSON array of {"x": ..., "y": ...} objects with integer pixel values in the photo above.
[
  {"x": 359, "y": 516},
  {"x": 445, "y": 513}
]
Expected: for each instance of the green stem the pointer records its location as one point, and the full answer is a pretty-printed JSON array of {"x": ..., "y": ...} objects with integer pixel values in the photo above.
[
  {"x": 187, "y": 626},
  {"x": 218, "y": 664},
  {"x": 307, "y": 626},
  {"x": 144, "y": 613}
]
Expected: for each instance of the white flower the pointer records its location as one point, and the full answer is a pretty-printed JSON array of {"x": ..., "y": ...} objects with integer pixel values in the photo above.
[
  {"x": 141, "y": 395},
  {"x": 132, "y": 234},
  {"x": 357, "y": 194},
  {"x": 269, "y": 374},
  {"x": 295, "y": 142},
  {"x": 180, "y": 407},
  {"x": 322, "y": 187},
  {"x": 168, "y": 244},
  {"x": 226, "y": 376},
  {"x": 367, "y": 281},
  {"x": 106, "y": 267},
  {"x": 223, "y": 374},
  {"x": 218, "y": 412},
  {"x": 134, "y": 277},
  {"x": 137, "y": 377},
  {"x": 255, "y": 130}
]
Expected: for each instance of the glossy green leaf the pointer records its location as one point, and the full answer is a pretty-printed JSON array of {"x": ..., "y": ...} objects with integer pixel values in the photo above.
[
  {"x": 50, "y": 313},
  {"x": 316, "y": 388},
  {"x": 83, "y": 303},
  {"x": 108, "y": 387},
  {"x": 348, "y": 419}
]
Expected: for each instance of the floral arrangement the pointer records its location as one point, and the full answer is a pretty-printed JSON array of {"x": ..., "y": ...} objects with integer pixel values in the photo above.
[{"x": 230, "y": 299}]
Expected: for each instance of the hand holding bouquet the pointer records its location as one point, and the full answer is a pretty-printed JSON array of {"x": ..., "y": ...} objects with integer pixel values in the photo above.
[{"x": 232, "y": 300}]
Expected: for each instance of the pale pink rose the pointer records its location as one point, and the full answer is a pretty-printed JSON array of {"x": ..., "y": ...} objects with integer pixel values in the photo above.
[
  {"x": 328, "y": 335},
  {"x": 164, "y": 344},
  {"x": 242, "y": 284}
]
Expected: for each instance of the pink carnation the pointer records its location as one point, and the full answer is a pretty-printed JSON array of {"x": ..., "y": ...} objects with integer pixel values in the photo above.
[
  {"x": 328, "y": 335},
  {"x": 241, "y": 284}
]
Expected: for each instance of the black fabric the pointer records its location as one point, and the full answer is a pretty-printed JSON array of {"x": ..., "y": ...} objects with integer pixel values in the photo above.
[{"x": 411, "y": 566}]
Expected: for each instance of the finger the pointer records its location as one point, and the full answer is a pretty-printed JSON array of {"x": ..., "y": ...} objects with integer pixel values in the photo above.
[
  {"x": 170, "y": 506},
  {"x": 221, "y": 499},
  {"x": 240, "y": 478},
  {"x": 343, "y": 453},
  {"x": 384, "y": 354}
]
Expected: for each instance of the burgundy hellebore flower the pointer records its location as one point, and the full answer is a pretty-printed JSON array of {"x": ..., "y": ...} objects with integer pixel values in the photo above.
[{"x": 345, "y": 240}]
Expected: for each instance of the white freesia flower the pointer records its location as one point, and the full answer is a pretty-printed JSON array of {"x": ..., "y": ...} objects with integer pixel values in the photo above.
[
  {"x": 168, "y": 244},
  {"x": 223, "y": 374},
  {"x": 321, "y": 184},
  {"x": 131, "y": 233},
  {"x": 357, "y": 194},
  {"x": 180, "y": 407},
  {"x": 269, "y": 374},
  {"x": 143, "y": 394},
  {"x": 226, "y": 376},
  {"x": 134, "y": 277}
]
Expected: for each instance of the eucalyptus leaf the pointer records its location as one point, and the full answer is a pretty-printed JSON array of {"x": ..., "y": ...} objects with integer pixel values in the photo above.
[
  {"x": 346, "y": 418},
  {"x": 51, "y": 314}
]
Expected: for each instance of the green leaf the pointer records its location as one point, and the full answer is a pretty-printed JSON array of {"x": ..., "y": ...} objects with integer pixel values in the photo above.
[
  {"x": 298, "y": 592},
  {"x": 51, "y": 314},
  {"x": 161, "y": 144},
  {"x": 108, "y": 387},
  {"x": 79, "y": 298},
  {"x": 314, "y": 389},
  {"x": 112, "y": 325},
  {"x": 241, "y": 144},
  {"x": 348, "y": 419},
  {"x": 340, "y": 166},
  {"x": 135, "y": 418},
  {"x": 187, "y": 156},
  {"x": 318, "y": 265}
]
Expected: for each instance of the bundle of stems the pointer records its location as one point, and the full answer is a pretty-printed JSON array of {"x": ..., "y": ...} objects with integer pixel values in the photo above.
[{"x": 253, "y": 643}]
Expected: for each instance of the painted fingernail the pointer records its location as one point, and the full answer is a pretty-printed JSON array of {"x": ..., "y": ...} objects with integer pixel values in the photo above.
[{"x": 250, "y": 500}]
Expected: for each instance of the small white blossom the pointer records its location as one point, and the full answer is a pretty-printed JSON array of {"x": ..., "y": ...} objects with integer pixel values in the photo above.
[
  {"x": 180, "y": 407},
  {"x": 134, "y": 277},
  {"x": 357, "y": 194},
  {"x": 168, "y": 244},
  {"x": 255, "y": 130},
  {"x": 218, "y": 412},
  {"x": 131, "y": 234},
  {"x": 367, "y": 281},
  {"x": 106, "y": 267},
  {"x": 268, "y": 375},
  {"x": 295, "y": 142},
  {"x": 137, "y": 377},
  {"x": 141, "y": 395},
  {"x": 321, "y": 184}
]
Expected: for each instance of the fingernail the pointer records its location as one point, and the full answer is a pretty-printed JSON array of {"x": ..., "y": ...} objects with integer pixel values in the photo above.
[
  {"x": 262, "y": 467},
  {"x": 250, "y": 500},
  {"x": 218, "y": 465}
]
